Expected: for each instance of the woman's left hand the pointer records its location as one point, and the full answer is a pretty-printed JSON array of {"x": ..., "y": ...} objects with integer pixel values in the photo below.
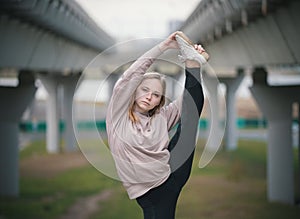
[{"x": 169, "y": 43}]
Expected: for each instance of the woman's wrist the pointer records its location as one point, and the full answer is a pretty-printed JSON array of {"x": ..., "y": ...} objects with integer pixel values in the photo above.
[{"x": 162, "y": 46}]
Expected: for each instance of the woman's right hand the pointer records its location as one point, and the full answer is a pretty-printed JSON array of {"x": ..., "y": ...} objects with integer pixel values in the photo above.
[{"x": 169, "y": 43}]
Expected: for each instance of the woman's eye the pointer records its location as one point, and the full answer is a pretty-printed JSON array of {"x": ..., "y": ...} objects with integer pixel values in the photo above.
[
  {"x": 156, "y": 95},
  {"x": 144, "y": 89}
]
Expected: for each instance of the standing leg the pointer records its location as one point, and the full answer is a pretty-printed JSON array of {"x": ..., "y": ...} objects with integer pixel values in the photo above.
[{"x": 160, "y": 202}]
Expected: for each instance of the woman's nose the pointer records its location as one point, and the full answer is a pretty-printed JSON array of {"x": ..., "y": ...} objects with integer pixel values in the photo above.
[{"x": 149, "y": 95}]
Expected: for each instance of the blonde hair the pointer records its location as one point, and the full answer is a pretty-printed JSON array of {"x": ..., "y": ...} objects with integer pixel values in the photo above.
[{"x": 149, "y": 75}]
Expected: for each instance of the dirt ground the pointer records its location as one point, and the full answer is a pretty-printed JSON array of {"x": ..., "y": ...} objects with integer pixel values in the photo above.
[
  {"x": 85, "y": 207},
  {"x": 47, "y": 166}
]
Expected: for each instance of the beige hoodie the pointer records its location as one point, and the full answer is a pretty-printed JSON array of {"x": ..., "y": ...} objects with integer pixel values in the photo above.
[{"x": 139, "y": 149}]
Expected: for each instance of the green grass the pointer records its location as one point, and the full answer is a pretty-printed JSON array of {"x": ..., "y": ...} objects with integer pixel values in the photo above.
[
  {"x": 119, "y": 206},
  {"x": 48, "y": 197},
  {"x": 232, "y": 186},
  {"x": 35, "y": 148}
]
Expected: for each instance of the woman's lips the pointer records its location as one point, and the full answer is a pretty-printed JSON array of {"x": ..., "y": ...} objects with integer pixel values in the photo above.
[{"x": 146, "y": 103}]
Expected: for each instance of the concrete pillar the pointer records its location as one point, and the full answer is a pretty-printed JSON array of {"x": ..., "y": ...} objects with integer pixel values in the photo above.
[
  {"x": 232, "y": 84},
  {"x": 211, "y": 86},
  {"x": 111, "y": 80},
  {"x": 29, "y": 112},
  {"x": 215, "y": 134},
  {"x": 69, "y": 85},
  {"x": 14, "y": 101},
  {"x": 298, "y": 146},
  {"x": 51, "y": 83},
  {"x": 276, "y": 105}
]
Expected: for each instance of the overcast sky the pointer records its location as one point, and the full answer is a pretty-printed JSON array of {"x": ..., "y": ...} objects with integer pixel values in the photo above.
[{"x": 127, "y": 19}]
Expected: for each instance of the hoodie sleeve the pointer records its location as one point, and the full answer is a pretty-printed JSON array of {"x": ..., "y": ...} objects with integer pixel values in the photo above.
[{"x": 127, "y": 84}]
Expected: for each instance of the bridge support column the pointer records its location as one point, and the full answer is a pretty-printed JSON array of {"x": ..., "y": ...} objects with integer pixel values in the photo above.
[
  {"x": 111, "y": 80},
  {"x": 211, "y": 85},
  {"x": 51, "y": 83},
  {"x": 232, "y": 84},
  {"x": 14, "y": 101},
  {"x": 276, "y": 105},
  {"x": 69, "y": 85}
]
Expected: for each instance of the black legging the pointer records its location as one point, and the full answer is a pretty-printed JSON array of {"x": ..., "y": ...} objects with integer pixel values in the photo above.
[{"x": 160, "y": 202}]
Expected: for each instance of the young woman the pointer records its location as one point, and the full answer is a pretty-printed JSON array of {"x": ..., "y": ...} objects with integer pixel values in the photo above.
[{"x": 153, "y": 168}]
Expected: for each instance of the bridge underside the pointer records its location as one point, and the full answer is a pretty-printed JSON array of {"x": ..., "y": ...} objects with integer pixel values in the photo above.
[
  {"x": 27, "y": 47},
  {"x": 271, "y": 39}
]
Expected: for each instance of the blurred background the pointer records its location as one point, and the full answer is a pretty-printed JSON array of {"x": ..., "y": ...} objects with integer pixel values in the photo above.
[{"x": 59, "y": 61}]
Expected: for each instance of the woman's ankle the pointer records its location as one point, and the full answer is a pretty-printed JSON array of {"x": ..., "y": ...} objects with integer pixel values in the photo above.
[{"x": 192, "y": 64}]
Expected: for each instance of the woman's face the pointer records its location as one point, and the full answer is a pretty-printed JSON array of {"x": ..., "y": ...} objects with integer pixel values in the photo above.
[{"x": 148, "y": 95}]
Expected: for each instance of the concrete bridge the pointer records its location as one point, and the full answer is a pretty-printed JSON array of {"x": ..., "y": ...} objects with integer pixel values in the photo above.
[
  {"x": 52, "y": 41},
  {"x": 259, "y": 38}
]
